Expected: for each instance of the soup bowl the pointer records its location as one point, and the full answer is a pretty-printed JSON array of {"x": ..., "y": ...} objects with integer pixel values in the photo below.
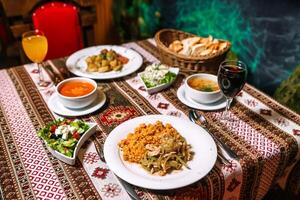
[
  {"x": 77, "y": 93},
  {"x": 203, "y": 97}
]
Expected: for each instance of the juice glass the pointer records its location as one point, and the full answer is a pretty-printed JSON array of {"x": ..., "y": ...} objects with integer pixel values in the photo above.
[{"x": 35, "y": 46}]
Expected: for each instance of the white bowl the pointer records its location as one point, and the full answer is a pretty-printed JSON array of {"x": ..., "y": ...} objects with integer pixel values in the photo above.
[
  {"x": 84, "y": 137},
  {"x": 80, "y": 101},
  {"x": 201, "y": 96},
  {"x": 160, "y": 87}
]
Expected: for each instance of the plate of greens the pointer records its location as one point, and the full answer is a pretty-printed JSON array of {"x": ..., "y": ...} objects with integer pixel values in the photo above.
[
  {"x": 64, "y": 137},
  {"x": 157, "y": 77}
]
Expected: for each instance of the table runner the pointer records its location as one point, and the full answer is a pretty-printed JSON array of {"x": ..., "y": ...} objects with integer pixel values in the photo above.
[{"x": 265, "y": 136}]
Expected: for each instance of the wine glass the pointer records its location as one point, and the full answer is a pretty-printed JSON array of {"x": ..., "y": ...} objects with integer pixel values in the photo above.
[
  {"x": 232, "y": 76},
  {"x": 35, "y": 46}
]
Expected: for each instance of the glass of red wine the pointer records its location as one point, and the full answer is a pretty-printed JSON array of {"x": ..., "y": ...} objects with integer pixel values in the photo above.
[{"x": 232, "y": 76}]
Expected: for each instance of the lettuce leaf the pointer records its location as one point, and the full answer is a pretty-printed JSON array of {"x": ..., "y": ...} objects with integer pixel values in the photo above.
[{"x": 168, "y": 78}]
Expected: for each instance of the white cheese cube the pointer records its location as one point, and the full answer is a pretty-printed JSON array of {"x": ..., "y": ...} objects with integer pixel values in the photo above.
[
  {"x": 72, "y": 129},
  {"x": 58, "y": 131},
  {"x": 65, "y": 136}
]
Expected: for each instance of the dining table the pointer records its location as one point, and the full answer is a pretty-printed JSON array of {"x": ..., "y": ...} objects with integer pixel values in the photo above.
[{"x": 264, "y": 135}]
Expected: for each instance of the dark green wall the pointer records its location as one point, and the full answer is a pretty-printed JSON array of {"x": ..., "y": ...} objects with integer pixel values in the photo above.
[{"x": 265, "y": 34}]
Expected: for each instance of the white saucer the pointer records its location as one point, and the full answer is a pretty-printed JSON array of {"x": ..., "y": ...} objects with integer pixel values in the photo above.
[
  {"x": 191, "y": 103},
  {"x": 56, "y": 106}
]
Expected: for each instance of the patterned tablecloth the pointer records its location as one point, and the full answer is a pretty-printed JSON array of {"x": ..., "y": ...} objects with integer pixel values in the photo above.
[{"x": 265, "y": 135}]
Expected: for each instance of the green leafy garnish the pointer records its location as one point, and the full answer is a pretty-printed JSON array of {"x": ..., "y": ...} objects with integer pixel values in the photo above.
[
  {"x": 207, "y": 89},
  {"x": 169, "y": 77},
  {"x": 80, "y": 125}
]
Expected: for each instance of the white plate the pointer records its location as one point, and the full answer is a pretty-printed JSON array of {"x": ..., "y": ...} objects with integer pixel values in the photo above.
[
  {"x": 84, "y": 137},
  {"x": 162, "y": 86},
  {"x": 56, "y": 106},
  {"x": 77, "y": 65},
  {"x": 202, "y": 144},
  {"x": 191, "y": 103}
]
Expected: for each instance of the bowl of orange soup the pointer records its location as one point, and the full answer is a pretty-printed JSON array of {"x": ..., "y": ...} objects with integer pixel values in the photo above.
[
  {"x": 203, "y": 88},
  {"x": 76, "y": 93}
]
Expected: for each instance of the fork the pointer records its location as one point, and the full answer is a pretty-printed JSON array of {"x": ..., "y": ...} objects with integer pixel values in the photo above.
[{"x": 193, "y": 116}]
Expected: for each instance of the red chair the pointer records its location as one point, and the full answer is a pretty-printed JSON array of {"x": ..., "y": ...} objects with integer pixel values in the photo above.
[{"x": 60, "y": 24}]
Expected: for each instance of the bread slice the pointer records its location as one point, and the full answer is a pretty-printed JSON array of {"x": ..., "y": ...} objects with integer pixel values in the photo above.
[
  {"x": 187, "y": 45},
  {"x": 176, "y": 46},
  {"x": 197, "y": 49},
  {"x": 185, "y": 51},
  {"x": 206, "y": 52},
  {"x": 190, "y": 41},
  {"x": 197, "y": 46},
  {"x": 213, "y": 46},
  {"x": 215, "y": 41},
  {"x": 207, "y": 40},
  {"x": 222, "y": 45}
]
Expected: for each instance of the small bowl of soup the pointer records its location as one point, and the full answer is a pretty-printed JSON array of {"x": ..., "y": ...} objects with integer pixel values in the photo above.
[
  {"x": 77, "y": 93},
  {"x": 203, "y": 88}
]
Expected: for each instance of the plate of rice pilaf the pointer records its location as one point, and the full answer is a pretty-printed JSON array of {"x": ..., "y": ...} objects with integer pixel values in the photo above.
[{"x": 154, "y": 150}]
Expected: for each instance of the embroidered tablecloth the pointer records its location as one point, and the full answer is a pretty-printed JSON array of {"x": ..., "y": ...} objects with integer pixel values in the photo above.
[{"x": 264, "y": 134}]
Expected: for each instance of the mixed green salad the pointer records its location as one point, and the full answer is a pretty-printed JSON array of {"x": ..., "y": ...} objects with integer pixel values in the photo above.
[
  {"x": 62, "y": 135},
  {"x": 157, "y": 74}
]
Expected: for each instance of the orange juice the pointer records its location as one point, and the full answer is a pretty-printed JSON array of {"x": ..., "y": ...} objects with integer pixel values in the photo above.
[{"x": 35, "y": 47}]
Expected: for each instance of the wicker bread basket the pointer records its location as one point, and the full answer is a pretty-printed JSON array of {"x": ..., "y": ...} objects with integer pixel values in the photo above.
[{"x": 208, "y": 63}]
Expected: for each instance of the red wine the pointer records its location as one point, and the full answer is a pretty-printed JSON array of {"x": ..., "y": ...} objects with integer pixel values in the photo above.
[{"x": 231, "y": 79}]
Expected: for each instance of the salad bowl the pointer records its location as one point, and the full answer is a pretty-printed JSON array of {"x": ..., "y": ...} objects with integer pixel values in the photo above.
[
  {"x": 71, "y": 158},
  {"x": 154, "y": 82}
]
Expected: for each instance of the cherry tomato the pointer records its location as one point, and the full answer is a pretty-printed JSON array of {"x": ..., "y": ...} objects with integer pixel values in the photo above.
[
  {"x": 53, "y": 128},
  {"x": 76, "y": 135}
]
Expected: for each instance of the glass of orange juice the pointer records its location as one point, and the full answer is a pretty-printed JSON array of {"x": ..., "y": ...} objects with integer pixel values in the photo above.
[{"x": 35, "y": 46}]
